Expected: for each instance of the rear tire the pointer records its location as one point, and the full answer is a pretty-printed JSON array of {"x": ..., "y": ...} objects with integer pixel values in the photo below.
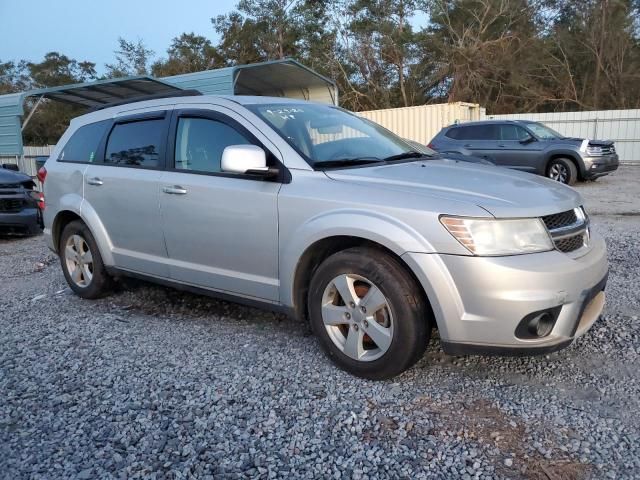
[
  {"x": 368, "y": 312},
  {"x": 562, "y": 170},
  {"x": 82, "y": 263}
]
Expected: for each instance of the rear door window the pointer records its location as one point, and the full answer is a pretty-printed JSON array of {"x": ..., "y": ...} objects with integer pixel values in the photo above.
[
  {"x": 82, "y": 147},
  {"x": 478, "y": 132},
  {"x": 136, "y": 144}
]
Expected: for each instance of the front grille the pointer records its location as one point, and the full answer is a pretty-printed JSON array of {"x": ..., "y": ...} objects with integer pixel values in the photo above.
[
  {"x": 11, "y": 205},
  {"x": 569, "y": 230},
  {"x": 559, "y": 220},
  {"x": 570, "y": 244}
]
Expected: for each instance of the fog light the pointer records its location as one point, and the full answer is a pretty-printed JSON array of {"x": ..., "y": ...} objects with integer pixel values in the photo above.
[
  {"x": 538, "y": 324},
  {"x": 541, "y": 325}
]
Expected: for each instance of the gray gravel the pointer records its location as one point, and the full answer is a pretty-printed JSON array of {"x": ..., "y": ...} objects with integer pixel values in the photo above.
[{"x": 155, "y": 383}]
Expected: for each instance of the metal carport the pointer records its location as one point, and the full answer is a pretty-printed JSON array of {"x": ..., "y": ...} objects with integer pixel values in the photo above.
[{"x": 280, "y": 78}]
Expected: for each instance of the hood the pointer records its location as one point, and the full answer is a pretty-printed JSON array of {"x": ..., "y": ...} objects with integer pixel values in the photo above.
[
  {"x": 11, "y": 177},
  {"x": 578, "y": 141},
  {"x": 500, "y": 191}
]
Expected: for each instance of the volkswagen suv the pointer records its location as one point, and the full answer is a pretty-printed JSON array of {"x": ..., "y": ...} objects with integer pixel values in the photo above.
[{"x": 308, "y": 209}]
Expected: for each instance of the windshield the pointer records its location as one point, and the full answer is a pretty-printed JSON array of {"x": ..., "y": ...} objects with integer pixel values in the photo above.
[
  {"x": 542, "y": 131},
  {"x": 328, "y": 136}
]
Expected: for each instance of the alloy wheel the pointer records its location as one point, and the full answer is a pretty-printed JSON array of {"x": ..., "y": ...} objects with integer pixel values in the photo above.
[
  {"x": 357, "y": 317},
  {"x": 558, "y": 172},
  {"x": 78, "y": 260}
]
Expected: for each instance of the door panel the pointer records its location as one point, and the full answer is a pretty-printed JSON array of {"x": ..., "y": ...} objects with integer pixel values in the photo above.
[
  {"x": 514, "y": 154},
  {"x": 221, "y": 230},
  {"x": 123, "y": 189},
  {"x": 126, "y": 201},
  {"x": 222, "y": 233}
]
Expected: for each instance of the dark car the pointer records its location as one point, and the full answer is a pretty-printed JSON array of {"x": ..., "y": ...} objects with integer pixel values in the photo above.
[
  {"x": 20, "y": 203},
  {"x": 458, "y": 157},
  {"x": 531, "y": 147}
]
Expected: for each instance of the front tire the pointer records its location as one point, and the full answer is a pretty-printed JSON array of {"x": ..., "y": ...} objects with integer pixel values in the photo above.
[
  {"x": 82, "y": 263},
  {"x": 562, "y": 170},
  {"x": 368, "y": 312}
]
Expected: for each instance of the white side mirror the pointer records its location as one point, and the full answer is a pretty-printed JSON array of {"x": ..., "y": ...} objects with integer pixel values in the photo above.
[{"x": 244, "y": 159}]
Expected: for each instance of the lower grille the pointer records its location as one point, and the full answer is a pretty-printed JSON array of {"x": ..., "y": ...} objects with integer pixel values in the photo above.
[
  {"x": 11, "y": 205},
  {"x": 570, "y": 244}
]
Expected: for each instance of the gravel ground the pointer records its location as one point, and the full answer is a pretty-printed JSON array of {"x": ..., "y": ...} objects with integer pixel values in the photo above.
[{"x": 155, "y": 383}]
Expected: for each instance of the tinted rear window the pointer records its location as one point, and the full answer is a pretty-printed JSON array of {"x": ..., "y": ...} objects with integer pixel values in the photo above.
[
  {"x": 83, "y": 145},
  {"x": 135, "y": 143},
  {"x": 477, "y": 132}
]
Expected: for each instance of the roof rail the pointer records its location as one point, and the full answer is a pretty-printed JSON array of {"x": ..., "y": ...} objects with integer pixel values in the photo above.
[{"x": 153, "y": 96}]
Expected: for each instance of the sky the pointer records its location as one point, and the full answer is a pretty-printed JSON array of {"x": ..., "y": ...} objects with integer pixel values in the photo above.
[{"x": 89, "y": 29}]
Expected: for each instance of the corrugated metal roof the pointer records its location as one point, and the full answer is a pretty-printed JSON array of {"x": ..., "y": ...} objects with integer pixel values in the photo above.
[{"x": 285, "y": 78}]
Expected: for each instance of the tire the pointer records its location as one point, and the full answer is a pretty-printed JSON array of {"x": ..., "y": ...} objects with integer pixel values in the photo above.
[
  {"x": 86, "y": 276},
  {"x": 562, "y": 170},
  {"x": 400, "y": 329}
]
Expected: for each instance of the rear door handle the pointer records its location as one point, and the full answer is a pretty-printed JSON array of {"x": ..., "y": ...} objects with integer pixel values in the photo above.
[
  {"x": 468, "y": 145},
  {"x": 94, "y": 181},
  {"x": 175, "y": 190},
  {"x": 501, "y": 145}
]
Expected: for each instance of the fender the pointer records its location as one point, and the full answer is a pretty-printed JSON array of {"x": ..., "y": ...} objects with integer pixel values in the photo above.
[
  {"x": 100, "y": 234},
  {"x": 73, "y": 202},
  {"x": 375, "y": 227},
  {"x": 564, "y": 152},
  {"x": 69, "y": 202}
]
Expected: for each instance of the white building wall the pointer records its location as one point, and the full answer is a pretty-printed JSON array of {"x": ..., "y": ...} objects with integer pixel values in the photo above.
[{"x": 422, "y": 123}]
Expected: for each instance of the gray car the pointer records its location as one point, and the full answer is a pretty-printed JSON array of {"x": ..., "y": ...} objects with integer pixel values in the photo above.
[
  {"x": 308, "y": 209},
  {"x": 530, "y": 147}
]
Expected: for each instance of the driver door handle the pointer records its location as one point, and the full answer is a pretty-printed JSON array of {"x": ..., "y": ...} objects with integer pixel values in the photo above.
[{"x": 174, "y": 190}]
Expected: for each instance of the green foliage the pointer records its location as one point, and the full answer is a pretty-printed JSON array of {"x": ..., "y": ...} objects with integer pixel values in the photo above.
[
  {"x": 507, "y": 55},
  {"x": 132, "y": 58}
]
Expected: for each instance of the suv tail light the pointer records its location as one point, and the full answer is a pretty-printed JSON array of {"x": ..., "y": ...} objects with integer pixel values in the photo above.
[
  {"x": 42, "y": 174},
  {"x": 431, "y": 146}
]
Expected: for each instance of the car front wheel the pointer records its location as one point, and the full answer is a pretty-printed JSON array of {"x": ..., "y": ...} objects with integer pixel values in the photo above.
[
  {"x": 81, "y": 262},
  {"x": 562, "y": 170},
  {"x": 368, "y": 312}
]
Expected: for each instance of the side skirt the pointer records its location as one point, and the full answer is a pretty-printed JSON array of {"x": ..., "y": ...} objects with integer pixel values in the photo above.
[{"x": 229, "y": 297}]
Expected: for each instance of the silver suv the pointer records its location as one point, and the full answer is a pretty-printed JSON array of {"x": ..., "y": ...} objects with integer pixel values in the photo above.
[{"x": 309, "y": 209}]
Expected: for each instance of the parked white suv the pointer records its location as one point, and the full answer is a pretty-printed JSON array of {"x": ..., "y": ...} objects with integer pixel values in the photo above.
[{"x": 309, "y": 209}]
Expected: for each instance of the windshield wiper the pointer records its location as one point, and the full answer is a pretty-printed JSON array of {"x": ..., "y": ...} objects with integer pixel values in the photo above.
[
  {"x": 405, "y": 155},
  {"x": 346, "y": 162}
]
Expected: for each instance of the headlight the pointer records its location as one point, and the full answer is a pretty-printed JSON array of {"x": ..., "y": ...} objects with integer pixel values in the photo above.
[{"x": 499, "y": 237}]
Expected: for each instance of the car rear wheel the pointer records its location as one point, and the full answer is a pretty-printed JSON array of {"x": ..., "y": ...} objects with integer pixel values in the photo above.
[
  {"x": 562, "y": 170},
  {"x": 368, "y": 312},
  {"x": 81, "y": 262}
]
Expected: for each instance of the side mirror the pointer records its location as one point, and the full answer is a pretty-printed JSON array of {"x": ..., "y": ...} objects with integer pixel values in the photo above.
[
  {"x": 527, "y": 139},
  {"x": 246, "y": 159}
]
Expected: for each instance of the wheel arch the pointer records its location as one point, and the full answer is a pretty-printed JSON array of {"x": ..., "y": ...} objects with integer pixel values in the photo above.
[
  {"x": 569, "y": 155},
  {"x": 322, "y": 249},
  {"x": 89, "y": 217}
]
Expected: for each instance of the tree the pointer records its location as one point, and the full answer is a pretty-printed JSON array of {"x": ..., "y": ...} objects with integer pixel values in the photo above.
[
  {"x": 188, "y": 53},
  {"x": 14, "y": 77},
  {"x": 132, "y": 58},
  {"x": 52, "y": 118}
]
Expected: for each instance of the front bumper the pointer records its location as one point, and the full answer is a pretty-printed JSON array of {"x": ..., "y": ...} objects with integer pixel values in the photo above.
[
  {"x": 599, "y": 166},
  {"x": 26, "y": 221},
  {"x": 479, "y": 302}
]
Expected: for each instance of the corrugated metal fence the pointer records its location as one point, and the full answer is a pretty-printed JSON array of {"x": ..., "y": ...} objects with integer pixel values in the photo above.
[
  {"x": 28, "y": 163},
  {"x": 422, "y": 123},
  {"x": 621, "y": 126}
]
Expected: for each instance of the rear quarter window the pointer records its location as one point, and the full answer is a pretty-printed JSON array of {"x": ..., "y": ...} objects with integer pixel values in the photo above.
[
  {"x": 453, "y": 133},
  {"x": 83, "y": 145}
]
